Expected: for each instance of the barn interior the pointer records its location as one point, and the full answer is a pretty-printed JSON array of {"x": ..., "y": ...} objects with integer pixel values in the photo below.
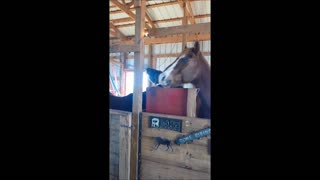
[
  {"x": 151, "y": 34},
  {"x": 169, "y": 26}
]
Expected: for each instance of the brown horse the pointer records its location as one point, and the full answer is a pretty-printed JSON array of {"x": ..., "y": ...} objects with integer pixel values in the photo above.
[{"x": 192, "y": 67}]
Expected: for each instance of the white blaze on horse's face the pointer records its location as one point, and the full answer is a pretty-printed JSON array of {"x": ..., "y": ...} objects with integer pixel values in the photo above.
[{"x": 163, "y": 77}]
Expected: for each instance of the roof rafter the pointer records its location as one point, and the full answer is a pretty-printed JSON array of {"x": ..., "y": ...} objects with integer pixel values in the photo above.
[
  {"x": 117, "y": 31},
  {"x": 124, "y": 20},
  {"x": 191, "y": 28},
  {"x": 164, "y": 40},
  {"x": 192, "y": 20},
  {"x": 127, "y": 11}
]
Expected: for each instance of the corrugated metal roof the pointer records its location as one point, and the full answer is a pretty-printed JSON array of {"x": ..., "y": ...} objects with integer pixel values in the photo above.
[
  {"x": 127, "y": 31},
  {"x": 201, "y": 7},
  {"x": 171, "y": 48},
  {"x": 118, "y": 16},
  {"x": 164, "y": 12}
]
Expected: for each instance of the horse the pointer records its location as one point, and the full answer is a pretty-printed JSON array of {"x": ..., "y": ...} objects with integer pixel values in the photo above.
[
  {"x": 125, "y": 103},
  {"x": 191, "y": 67}
]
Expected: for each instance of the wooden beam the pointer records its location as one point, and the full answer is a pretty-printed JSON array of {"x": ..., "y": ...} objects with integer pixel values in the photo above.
[
  {"x": 149, "y": 6},
  {"x": 112, "y": 33},
  {"x": 130, "y": 4},
  {"x": 121, "y": 20},
  {"x": 123, "y": 48},
  {"x": 129, "y": 42},
  {"x": 175, "y": 39},
  {"x": 150, "y": 20},
  {"x": 123, "y": 8},
  {"x": 114, "y": 38},
  {"x": 164, "y": 40},
  {"x": 118, "y": 32},
  {"x": 125, "y": 20},
  {"x": 192, "y": 20},
  {"x": 113, "y": 60},
  {"x": 182, "y": 5},
  {"x": 177, "y": 54},
  {"x": 195, "y": 28},
  {"x": 161, "y": 55},
  {"x": 128, "y": 11},
  {"x": 140, "y": 6}
]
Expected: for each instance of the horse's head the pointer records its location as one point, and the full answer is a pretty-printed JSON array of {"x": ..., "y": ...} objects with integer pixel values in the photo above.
[{"x": 186, "y": 69}]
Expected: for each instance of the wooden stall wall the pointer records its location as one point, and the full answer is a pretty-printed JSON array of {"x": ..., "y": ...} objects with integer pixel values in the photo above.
[
  {"x": 119, "y": 144},
  {"x": 187, "y": 161}
]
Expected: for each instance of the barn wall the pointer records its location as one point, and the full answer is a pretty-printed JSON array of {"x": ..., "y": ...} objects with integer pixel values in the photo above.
[{"x": 175, "y": 48}]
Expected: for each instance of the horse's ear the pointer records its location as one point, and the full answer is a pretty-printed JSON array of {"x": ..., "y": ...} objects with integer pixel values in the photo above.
[{"x": 196, "y": 47}]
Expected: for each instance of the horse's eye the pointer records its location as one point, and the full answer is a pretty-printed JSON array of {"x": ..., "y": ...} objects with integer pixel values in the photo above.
[
  {"x": 185, "y": 59},
  {"x": 163, "y": 78}
]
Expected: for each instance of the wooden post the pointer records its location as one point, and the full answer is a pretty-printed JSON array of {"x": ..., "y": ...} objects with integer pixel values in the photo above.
[
  {"x": 140, "y": 6},
  {"x": 125, "y": 58},
  {"x": 191, "y": 102},
  {"x": 124, "y": 147},
  {"x": 122, "y": 74},
  {"x": 184, "y": 22},
  {"x": 150, "y": 61},
  {"x": 154, "y": 62}
]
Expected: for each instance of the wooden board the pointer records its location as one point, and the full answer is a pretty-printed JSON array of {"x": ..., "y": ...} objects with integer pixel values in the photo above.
[
  {"x": 189, "y": 156},
  {"x": 192, "y": 102},
  {"x": 114, "y": 124},
  {"x": 187, "y": 161},
  {"x": 124, "y": 147},
  {"x": 153, "y": 170},
  {"x": 119, "y": 144}
]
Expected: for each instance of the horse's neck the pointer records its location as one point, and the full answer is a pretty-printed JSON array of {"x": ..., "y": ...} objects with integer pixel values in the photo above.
[{"x": 204, "y": 84}]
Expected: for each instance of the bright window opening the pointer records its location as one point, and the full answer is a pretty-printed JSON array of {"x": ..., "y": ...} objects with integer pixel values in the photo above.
[{"x": 130, "y": 82}]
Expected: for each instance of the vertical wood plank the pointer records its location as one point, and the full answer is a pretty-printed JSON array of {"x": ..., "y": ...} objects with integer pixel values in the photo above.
[
  {"x": 114, "y": 123},
  {"x": 122, "y": 74},
  {"x": 192, "y": 102},
  {"x": 154, "y": 60},
  {"x": 150, "y": 61},
  {"x": 124, "y": 147},
  {"x": 184, "y": 22},
  {"x": 140, "y": 7}
]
